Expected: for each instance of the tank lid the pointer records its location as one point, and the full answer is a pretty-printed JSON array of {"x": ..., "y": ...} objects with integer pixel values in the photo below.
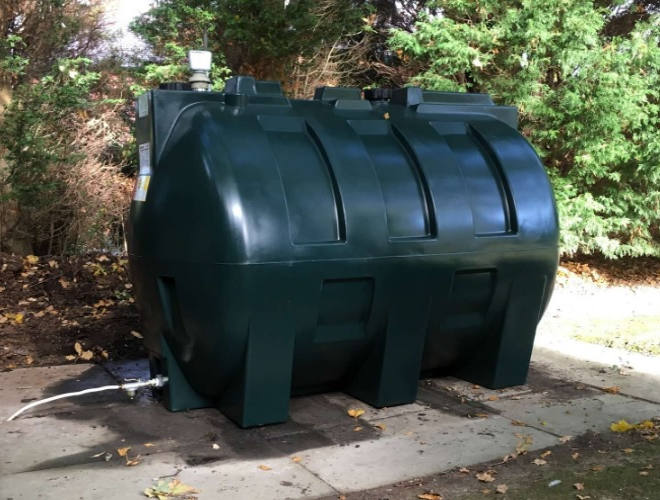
[
  {"x": 378, "y": 94},
  {"x": 327, "y": 94}
]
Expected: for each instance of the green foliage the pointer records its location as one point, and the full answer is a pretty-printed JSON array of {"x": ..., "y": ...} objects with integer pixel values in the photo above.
[
  {"x": 36, "y": 137},
  {"x": 12, "y": 64},
  {"x": 38, "y": 33},
  {"x": 588, "y": 102}
]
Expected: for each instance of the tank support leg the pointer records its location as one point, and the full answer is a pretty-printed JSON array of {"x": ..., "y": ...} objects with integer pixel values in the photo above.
[
  {"x": 177, "y": 394},
  {"x": 390, "y": 373},
  {"x": 503, "y": 359},
  {"x": 261, "y": 393}
]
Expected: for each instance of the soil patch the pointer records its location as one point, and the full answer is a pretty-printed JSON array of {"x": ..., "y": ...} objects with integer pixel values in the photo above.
[{"x": 49, "y": 304}]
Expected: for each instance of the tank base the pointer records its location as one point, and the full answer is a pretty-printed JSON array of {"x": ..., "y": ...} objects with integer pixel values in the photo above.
[
  {"x": 260, "y": 391},
  {"x": 390, "y": 374},
  {"x": 177, "y": 394},
  {"x": 504, "y": 360}
]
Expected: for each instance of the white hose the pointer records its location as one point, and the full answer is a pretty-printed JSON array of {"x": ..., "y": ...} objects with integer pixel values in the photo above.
[{"x": 130, "y": 387}]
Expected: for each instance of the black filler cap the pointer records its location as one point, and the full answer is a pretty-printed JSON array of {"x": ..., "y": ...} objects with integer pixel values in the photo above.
[
  {"x": 175, "y": 86},
  {"x": 378, "y": 94}
]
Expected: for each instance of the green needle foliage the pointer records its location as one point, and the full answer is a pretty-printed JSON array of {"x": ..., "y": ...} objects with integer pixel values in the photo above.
[{"x": 588, "y": 103}]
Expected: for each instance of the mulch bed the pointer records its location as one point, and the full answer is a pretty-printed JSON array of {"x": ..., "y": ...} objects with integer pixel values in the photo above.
[{"x": 620, "y": 272}]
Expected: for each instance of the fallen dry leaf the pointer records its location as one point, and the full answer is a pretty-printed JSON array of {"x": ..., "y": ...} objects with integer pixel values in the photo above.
[
  {"x": 615, "y": 389},
  {"x": 429, "y": 496},
  {"x": 578, "y": 486},
  {"x": 137, "y": 335},
  {"x": 546, "y": 454},
  {"x": 132, "y": 461},
  {"x": 149, "y": 445},
  {"x": 215, "y": 446},
  {"x": 519, "y": 423},
  {"x": 510, "y": 456},
  {"x": 86, "y": 355},
  {"x": 78, "y": 348},
  {"x": 357, "y": 428},
  {"x": 565, "y": 439},
  {"x": 296, "y": 459},
  {"x": 265, "y": 467},
  {"x": 524, "y": 442},
  {"x": 31, "y": 259},
  {"x": 627, "y": 450},
  {"x": 643, "y": 473},
  {"x": 464, "y": 470},
  {"x": 598, "y": 468},
  {"x": 621, "y": 426},
  {"x": 539, "y": 461},
  {"x": 493, "y": 398},
  {"x": 582, "y": 497},
  {"x": 29, "y": 360},
  {"x": 380, "y": 426},
  {"x": 165, "y": 489},
  {"x": 501, "y": 488},
  {"x": 485, "y": 477},
  {"x": 355, "y": 412},
  {"x": 122, "y": 452},
  {"x": 69, "y": 357},
  {"x": 575, "y": 456}
]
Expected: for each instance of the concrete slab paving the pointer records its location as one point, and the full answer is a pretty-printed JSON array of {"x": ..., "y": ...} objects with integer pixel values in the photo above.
[
  {"x": 576, "y": 416},
  {"x": 59, "y": 448},
  {"x": 240, "y": 480},
  {"x": 101, "y": 480},
  {"x": 635, "y": 375},
  {"x": 412, "y": 448},
  {"x": 23, "y": 385},
  {"x": 245, "y": 480}
]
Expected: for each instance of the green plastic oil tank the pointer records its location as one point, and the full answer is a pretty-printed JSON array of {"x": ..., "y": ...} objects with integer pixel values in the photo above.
[{"x": 353, "y": 242}]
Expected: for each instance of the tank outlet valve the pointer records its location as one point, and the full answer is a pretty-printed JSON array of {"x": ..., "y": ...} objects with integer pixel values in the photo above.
[{"x": 200, "y": 67}]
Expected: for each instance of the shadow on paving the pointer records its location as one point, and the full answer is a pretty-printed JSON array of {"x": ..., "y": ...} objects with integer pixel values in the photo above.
[{"x": 315, "y": 421}]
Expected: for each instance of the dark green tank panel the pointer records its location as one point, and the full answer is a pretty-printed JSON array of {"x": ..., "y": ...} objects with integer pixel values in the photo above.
[{"x": 282, "y": 247}]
